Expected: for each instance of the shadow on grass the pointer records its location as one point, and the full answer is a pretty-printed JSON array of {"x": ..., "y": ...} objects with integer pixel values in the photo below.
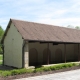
[{"x": 4, "y": 68}]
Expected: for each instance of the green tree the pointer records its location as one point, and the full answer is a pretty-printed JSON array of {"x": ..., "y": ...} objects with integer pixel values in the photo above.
[
  {"x": 70, "y": 26},
  {"x": 1, "y": 34},
  {"x": 77, "y": 27}
]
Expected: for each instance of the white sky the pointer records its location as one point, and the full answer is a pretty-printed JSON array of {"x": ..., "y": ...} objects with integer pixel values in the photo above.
[{"x": 55, "y": 12}]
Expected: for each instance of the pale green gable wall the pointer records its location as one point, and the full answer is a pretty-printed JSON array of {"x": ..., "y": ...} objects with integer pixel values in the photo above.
[{"x": 13, "y": 48}]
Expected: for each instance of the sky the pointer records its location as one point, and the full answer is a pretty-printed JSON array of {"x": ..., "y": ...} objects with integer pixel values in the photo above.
[{"x": 54, "y": 12}]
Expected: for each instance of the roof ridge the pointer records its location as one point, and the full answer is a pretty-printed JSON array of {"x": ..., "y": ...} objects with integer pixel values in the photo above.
[
  {"x": 44, "y": 24},
  {"x": 44, "y": 32}
]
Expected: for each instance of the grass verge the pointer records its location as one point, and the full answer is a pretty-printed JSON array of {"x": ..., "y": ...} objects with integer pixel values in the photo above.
[{"x": 4, "y": 73}]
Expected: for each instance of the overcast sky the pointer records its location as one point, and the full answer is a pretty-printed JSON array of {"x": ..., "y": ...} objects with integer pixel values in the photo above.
[{"x": 55, "y": 12}]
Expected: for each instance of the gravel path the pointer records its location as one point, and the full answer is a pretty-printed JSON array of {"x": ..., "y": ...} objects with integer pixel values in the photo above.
[{"x": 68, "y": 75}]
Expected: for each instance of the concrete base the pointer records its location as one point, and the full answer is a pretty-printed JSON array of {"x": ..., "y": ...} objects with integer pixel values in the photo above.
[
  {"x": 58, "y": 64},
  {"x": 33, "y": 67},
  {"x": 30, "y": 67}
]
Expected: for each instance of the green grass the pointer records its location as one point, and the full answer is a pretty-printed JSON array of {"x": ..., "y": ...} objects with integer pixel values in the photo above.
[
  {"x": 4, "y": 73},
  {"x": 56, "y": 67}
]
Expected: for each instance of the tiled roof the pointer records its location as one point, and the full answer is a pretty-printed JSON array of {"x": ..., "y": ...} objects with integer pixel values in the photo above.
[{"x": 42, "y": 32}]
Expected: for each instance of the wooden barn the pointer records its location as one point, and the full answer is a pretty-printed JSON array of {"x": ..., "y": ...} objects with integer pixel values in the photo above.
[{"x": 28, "y": 44}]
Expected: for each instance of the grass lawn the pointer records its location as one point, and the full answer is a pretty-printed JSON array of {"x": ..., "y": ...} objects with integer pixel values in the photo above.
[{"x": 4, "y": 73}]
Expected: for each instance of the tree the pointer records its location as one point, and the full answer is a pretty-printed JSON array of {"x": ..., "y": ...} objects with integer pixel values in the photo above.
[
  {"x": 70, "y": 26},
  {"x": 77, "y": 27},
  {"x": 1, "y": 34}
]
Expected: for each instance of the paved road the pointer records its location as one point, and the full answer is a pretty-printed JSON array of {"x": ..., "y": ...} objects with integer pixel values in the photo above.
[{"x": 68, "y": 75}]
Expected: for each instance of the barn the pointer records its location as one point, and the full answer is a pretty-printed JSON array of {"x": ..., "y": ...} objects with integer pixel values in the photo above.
[{"x": 27, "y": 44}]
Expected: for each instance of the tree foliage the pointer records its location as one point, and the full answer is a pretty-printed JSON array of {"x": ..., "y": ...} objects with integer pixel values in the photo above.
[
  {"x": 1, "y": 34},
  {"x": 70, "y": 26},
  {"x": 77, "y": 27}
]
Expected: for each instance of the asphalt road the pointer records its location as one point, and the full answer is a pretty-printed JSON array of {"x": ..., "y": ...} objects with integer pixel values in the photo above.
[{"x": 68, "y": 75}]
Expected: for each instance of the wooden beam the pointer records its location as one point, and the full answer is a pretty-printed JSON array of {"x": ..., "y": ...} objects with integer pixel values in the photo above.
[
  {"x": 74, "y": 52},
  {"x": 78, "y": 53},
  {"x": 48, "y": 53},
  {"x": 3, "y": 54},
  {"x": 65, "y": 52}
]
